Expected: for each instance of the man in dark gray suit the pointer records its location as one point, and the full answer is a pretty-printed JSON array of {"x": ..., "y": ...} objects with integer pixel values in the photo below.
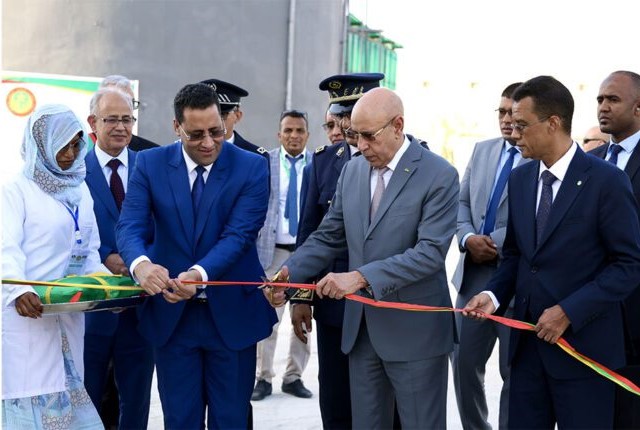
[
  {"x": 395, "y": 212},
  {"x": 482, "y": 225}
]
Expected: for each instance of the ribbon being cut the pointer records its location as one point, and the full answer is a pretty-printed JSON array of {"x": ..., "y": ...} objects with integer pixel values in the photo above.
[{"x": 107, "y": 288}]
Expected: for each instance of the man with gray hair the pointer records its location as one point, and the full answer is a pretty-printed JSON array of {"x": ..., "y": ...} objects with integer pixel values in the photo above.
[
  {"x": 394, "y": 212},
  {"x": 113, "y": 337},
  {"x": 122, "y": 83}
]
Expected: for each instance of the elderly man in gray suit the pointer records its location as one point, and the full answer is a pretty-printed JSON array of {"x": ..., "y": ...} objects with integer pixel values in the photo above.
[
  {"x": 395, "y": 212},
  {"x": 482, "y": 225}
]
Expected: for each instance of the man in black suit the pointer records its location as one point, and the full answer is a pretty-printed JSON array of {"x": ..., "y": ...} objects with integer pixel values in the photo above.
[
  {"x": 229, "y": 96},
  {"x": 619, "y": 115}
]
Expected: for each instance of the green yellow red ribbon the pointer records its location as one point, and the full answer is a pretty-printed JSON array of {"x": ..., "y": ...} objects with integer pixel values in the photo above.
[{"x": 521, "y": 325}]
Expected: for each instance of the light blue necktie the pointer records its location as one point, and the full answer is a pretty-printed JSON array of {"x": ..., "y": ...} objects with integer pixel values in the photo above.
[
  {"x": 492, "y": 207},
  {"x": 197, "y": 189},
  {"x": 291, "y": 207}
]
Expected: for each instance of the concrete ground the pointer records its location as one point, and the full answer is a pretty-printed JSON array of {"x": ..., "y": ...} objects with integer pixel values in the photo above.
[{"x": 283, "y": 412}]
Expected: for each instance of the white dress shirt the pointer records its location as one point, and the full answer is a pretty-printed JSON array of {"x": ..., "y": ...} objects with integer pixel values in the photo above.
[
  {"x": 123, "y": 169},
  {"x": 373, "y": 179},
  {"x": 282, "y": 230},
  {"x": 628, "y": 145}
]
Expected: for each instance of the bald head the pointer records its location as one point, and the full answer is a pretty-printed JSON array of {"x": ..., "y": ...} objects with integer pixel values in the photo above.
[
  {"x": 377, "y": 122},
  {"x": 594, "y": 138},
  {"x": 380, "y": 102}
]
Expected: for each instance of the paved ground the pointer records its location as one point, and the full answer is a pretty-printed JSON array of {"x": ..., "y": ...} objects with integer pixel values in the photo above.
[{"x": 282, "y": 411}]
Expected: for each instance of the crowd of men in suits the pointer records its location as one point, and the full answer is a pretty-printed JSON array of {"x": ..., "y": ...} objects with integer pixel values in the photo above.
[{"x": 547, "y": 234}]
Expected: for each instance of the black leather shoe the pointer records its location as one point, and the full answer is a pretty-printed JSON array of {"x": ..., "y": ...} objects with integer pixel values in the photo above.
[
  {"x": 296, "y": 388},
  {"x": 261, "y": 390}
]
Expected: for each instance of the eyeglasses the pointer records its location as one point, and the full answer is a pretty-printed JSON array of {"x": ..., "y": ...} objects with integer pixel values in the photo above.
[
  {"x": 293, "y": 113},
  {"x": 197, "y": 136},
  {"x": 520, "y": 128},
  {"x": 113, "y": 121},
  {"x": 369, "y": 136},
  {"x": 503, "y": 112},
  {"x": 136, "y": 104},
  {"x": 330, "y": 125}
]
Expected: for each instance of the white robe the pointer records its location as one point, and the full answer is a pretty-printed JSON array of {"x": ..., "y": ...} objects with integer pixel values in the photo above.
[{"x": 38, "y": 236}]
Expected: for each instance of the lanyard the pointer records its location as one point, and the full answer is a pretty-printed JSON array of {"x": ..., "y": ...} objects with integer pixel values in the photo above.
[{"x": 74, "y": 215}]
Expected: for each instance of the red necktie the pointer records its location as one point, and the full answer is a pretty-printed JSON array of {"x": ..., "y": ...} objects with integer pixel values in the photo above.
[{"x": 115, "y": 183}]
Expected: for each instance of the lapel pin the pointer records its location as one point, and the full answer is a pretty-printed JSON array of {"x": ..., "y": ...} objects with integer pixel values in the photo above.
[
  {"x": 579, "y": 183},
  {"x": 340, "y": 151},
  {"x": 407, "y": 170}
]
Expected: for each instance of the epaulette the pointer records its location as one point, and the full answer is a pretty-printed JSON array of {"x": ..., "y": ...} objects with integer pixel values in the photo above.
[
  {"x": 319, "y": 149},
  {"x": 261, "y": 150},
  {"x": 303, "y": 295}
]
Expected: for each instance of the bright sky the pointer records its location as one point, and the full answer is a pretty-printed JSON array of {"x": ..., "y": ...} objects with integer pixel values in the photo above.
[{"x": 459, "y": 55}]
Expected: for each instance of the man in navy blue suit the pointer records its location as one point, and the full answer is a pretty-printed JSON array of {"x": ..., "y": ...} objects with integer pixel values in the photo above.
[
  {"x": 570, "y": 258},
  {"x": 208, "y": 200},
  {"x": 114, "y": 336}
]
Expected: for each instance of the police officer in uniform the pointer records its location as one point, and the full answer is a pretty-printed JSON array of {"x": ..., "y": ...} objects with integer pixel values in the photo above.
[{"x": 229, "y": 97}]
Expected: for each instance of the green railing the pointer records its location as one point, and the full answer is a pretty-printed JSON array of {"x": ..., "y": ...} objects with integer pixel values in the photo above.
[{"x": 368, "y": 51}]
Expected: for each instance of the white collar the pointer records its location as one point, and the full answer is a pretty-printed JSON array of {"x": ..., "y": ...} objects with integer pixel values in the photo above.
[
  {"x": 560, "y": 167},
  {"x": 104, "y": 158}
]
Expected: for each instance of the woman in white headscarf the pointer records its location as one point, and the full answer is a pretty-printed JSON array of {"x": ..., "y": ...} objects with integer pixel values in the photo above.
[{"x": 49, "y": 231}]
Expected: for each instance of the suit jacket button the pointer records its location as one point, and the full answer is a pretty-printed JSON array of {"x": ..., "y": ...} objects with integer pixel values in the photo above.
[{"x": 534, "y": 269}]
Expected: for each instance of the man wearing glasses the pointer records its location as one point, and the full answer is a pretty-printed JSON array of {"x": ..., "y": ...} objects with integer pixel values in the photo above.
[
  {"x": 207, "y": 199},
  {"x": 570, "y": 257},
  {"x": 276, "y": 243},
  {"x": 394, "y": 212},
  {"x": 482, "y": 225},
  {"x": 594, "y": 138},
  {"x": 113, "y": 337},
  {"x": 124, "y": 84}
]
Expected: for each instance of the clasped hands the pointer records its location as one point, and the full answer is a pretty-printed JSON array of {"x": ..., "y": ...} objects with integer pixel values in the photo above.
[
  {"x": 333, "y": 285},
  {"x": 154, "y": 279},
  {"x": 550, "y": 326}
]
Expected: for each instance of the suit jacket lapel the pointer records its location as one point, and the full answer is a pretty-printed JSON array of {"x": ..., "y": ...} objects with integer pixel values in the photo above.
[
  {"x": 526, "y": 199},
  {"x": 634, "y": 162},
  {"x": 179, "y": 184},
  {"x": 95, "y": 178},
  {"x": 404, "y": 170},
  {"x": 216, "y": 179},
  {"x": 495, "y": 152},
  {"x": 573, "y": 183}
]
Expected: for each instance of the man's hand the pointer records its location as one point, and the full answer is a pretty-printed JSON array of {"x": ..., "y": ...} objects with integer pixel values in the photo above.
[
  {"x": 276, "y": 295},
  {"x": 178, "y": 291},
  {"x": 29, "y": 305},
  {"x": 153, "y": 278},
  {"x": 481, "y": 248},
  {"x": 116, "y": 265},
  {"x": 338, "y": 285},
  {"x": 301, "y": 320},
  {"x": 552, "y": 324},
  {"x": 478, "y": 306}
]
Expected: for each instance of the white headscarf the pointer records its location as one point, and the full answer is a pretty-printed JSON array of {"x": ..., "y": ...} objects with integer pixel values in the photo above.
[{"x": 49, "y": 129}]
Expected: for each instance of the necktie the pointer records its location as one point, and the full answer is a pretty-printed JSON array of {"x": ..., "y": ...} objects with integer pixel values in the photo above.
[
  {"x": 377, "y": 193},
  {"x": 291, "y": 207},
  {"x": 615, "y": 150},
  {"x": 115, "y": 183},
  {"x": 492, "y": 207},
  {"x": 197, "y": 189},
  {"x": 544, "y": 207}
]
